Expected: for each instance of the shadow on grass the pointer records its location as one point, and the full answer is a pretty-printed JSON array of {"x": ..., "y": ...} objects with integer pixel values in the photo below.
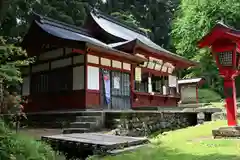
[
  {"x": 178, "y": 155},
  {"x": 161, "y": 153}
]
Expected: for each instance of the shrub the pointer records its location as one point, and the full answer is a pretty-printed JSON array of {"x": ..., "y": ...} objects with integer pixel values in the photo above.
[
  {"x": 19, "y": 147},
  {"x": 12, "y": 106},
  {"x": 207, "y": 95}
]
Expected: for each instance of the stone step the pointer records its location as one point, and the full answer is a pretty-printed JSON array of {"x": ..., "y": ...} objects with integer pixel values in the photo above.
[
  {"x": 83, "y": 124},
  {"x": 192, "y": 105},
  {"x": 87, "y": 118},
  {"x": 75, "y": 130},
  {"x": 89, "y": 113}
]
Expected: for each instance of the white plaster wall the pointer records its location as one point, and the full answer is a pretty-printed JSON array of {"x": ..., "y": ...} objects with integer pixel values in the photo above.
[
  {"x": 78, "y": 78},
  {"x": 172, "y": 80},
  {"x": 93, "y": 59},
  {"x": 61, "y": 63},
  {"x": 40, "y": 67},
  {"x": 164, "y": 68},
  {"x": 116, "y": 64},
  {"x": 78, "y": 59},
  {"x": 51, "y": 54},
  {"x": 93, "y": 78},
  {"x": 105, "y": 62},
  {"x": 127, "y": 66}
]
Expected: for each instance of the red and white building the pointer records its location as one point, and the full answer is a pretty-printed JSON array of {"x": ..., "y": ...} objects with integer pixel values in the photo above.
[{"x": 103, "y": 65}]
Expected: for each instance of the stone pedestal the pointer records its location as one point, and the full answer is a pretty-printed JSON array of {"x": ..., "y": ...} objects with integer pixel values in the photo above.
[
  {"x": 227, "y": 132},
  {"x": 200, "y": 118}
]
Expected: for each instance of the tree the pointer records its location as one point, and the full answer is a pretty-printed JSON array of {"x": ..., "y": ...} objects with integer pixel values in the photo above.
[
  {"x": 193, "y": 20},
  {"x": 71, "y": 12},
  {"x": 11, "y": 58},
  {"x": 18, "y": 13},
  {"x": 129, "y": 19},
  {"x": 155, "y": 15}
]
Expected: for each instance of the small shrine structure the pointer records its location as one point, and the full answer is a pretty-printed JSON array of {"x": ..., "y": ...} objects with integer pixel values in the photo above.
[{"x": 188, "y": 89}]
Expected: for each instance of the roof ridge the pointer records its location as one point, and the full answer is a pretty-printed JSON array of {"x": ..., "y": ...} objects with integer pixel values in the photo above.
[
  {"x": 60, "y": 24},
  {"x": 117, "y": 21},
  {"x": 232, "y": 28}
]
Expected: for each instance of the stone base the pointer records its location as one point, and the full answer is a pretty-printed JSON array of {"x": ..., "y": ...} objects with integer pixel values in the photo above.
[{"x": 227, "y": 132}]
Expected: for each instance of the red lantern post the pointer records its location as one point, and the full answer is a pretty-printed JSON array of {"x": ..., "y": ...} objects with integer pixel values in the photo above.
[{"x": 224, "y": 43}]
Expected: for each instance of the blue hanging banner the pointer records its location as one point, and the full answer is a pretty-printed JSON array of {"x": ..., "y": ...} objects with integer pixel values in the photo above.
[{"x": 106, "y": 78}]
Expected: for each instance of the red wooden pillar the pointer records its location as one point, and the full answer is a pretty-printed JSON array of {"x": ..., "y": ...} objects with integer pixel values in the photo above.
[
  {"x": 231, "y": 105},
  {"x": 132, "y": 87},
  {"x": 85, "y": 77}
]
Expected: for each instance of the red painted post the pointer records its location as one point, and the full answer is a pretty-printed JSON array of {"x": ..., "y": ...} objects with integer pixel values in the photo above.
[{"x": 231, "y": 105}]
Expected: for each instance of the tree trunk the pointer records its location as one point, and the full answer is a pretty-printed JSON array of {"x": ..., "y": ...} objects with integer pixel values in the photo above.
[{"x": 3, "y": 7}]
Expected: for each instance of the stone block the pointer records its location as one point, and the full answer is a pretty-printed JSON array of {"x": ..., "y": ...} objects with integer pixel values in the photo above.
[
  {"x": 145, "y": 123},
  {"x": 227, "y": 132},
  {"x": 221, "y": 116}
]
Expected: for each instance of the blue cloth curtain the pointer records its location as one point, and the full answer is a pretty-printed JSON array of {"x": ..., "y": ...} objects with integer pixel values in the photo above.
[{"x": 107, "y": 85}]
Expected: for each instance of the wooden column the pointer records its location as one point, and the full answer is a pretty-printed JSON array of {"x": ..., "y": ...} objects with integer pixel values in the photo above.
[
  {"x": 132, "y": 87},
  {"x": 85, "y": 77}
]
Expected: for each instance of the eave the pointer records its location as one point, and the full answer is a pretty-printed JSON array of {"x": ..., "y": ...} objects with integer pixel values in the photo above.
[
  {"x": 219, "y": 32},
  {"x": 52, "y": 32},
  {"x": 179, "y": 61},
  {"x": 134, "y": 39}
]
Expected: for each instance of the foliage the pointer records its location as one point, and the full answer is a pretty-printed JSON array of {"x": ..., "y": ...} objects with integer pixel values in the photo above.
[
  {"x": 129, "y": 19},
  {"x": 19, "y": 147},
  {"x": 16, "y": 14},
  {"x": 13, "y": 108},
  {"x": 155, "y": 15},
  {"x": 71, "y": 12},
  {"x": 193, "y": 143},
  {"x": 208, "y": 95},
  {"x": 193, "y": 20},
  {"x": 11, "y": 58}
]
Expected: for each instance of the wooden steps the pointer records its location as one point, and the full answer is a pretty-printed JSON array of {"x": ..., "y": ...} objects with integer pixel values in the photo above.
[{"x": 87, "y": 122}]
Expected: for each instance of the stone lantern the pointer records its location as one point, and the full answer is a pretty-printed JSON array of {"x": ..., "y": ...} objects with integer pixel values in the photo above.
[{"x": 224, "y": 43}]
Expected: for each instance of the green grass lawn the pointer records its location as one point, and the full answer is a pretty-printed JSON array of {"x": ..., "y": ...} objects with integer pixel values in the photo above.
[
  {"x": 193, "y": 143},
  {"x": 217, "y": 104},
  {"x": 221, "y": 104}
]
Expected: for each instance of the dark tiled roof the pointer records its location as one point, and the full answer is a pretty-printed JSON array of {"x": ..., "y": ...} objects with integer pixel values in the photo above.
[
  {"x": 115, "y": 28},
  {"x": 127, "y": 44},
  {"x": 65, "y": 31},
  {"x": 50, "y": 21},
  {"x": 74, "y": 33},
  {"x": 114, "y": 20}
]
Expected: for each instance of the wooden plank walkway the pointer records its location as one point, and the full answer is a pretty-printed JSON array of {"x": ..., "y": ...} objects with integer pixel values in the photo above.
[{"x": 91, "y": 143}]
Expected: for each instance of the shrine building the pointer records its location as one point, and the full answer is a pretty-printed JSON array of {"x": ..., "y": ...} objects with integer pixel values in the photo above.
[{"x": 103, "y": 65}]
